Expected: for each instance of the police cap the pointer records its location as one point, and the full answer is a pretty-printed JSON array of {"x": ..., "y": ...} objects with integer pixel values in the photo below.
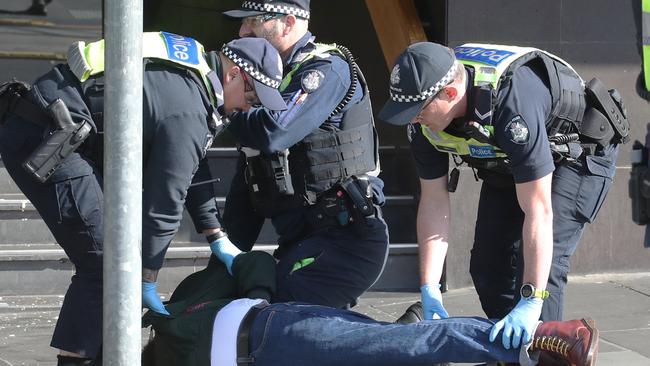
[
  {"x": 420, "y": 72},
  {"x": 251, "y": 8},
  {"x": 259, "y": 59}
]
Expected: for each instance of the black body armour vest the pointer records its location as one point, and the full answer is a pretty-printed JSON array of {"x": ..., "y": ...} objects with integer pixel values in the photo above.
[{"x": 298, "y": 176}]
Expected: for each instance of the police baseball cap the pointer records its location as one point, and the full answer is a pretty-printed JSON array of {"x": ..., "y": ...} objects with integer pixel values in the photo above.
[
  {"x": 259, "y": 59},
  {"x": 251, "y": 8},
  {"x": 420, "y": 72}
]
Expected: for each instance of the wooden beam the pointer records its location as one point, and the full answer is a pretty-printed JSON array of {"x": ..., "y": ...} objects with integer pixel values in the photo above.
[{"x": 397, "y": 26}]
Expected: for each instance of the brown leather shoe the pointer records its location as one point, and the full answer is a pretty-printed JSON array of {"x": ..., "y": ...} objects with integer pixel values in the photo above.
[{"x": 575, "y": 340}]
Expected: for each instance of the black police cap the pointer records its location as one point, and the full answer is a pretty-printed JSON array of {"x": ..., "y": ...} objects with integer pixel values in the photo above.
[
  {"x": 419, "y": 73},
  {"x": 259, "y": 59},
  {"x": 250, "y": 8}
]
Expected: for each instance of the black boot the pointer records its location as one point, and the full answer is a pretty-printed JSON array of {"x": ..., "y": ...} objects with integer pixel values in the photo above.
[
  {"x": 36, "y": 9},
  {"x": 413, "y": 314},
  {"x": 73, "y": 361}
]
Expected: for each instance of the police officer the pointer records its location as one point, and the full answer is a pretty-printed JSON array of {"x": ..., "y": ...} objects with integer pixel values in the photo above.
[
  {"x": 543, "y": 143},
  {"x": 185, "y": 99},
  {"x": 312, "y": 168}
]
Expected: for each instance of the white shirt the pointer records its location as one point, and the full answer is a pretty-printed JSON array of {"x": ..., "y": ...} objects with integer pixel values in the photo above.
[{"x": 225, "y": 329}]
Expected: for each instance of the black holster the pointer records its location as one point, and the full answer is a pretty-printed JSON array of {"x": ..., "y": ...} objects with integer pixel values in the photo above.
[
  {"x": 59, "y": 144},
  {"x": 347, "y": 203}
]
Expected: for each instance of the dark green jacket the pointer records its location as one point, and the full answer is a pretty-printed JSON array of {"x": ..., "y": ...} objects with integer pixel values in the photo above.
[{"x": 185, "y": 337}]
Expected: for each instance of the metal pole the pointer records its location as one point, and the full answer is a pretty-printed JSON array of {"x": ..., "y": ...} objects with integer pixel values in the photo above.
[{"x": 123, "y": 183}]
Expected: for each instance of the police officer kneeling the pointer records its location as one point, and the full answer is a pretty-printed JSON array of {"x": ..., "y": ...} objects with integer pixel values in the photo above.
[
  {"x": 50, "y": 142},
  {"x": 311, "y": 169},
  {"x": 545, "y": 145}
]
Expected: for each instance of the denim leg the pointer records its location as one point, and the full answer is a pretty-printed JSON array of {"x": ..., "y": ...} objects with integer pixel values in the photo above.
[
  {"x": 344, "y": 266},
  {"x": 325, "y": 336},
  {"x": 70, "y": 203},
  {"x": 497, "y": 240}
]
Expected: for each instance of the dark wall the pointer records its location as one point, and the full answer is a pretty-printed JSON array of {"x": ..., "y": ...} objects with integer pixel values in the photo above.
[{"x": 200, "y": 19}]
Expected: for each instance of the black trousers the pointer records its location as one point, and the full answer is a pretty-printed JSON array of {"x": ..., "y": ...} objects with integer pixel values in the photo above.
[
  {"x": 71, "y": 204},
  {"x": 578, "y": 191}
]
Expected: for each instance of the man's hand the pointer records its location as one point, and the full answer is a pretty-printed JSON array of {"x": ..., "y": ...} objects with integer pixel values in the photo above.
[
  {"x": 519, "y": 325},
  {"x": 225, "y": 250},
  {"x": 432, "y": 302},
  {"x": 150, "y": 298}
]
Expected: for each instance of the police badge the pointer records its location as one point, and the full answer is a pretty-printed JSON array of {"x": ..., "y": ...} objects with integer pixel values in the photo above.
[
  {"x": 394, "y": 75},
  {"x": 312, "y": 80},
  {"x": 518, "y": 130}
]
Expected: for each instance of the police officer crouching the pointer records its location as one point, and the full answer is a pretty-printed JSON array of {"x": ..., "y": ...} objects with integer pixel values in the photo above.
[
  {"x": 50, "y": 143},
  {"x": 311, "y": 169},
  {"x": 544, "y": 143}
]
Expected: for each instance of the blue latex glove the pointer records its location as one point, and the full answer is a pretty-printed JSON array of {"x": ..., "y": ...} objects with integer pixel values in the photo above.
[
  {"x": 432, "y": 302},
  {"x": 519, "y": 324},
  {"x": 150, "y": 298},
  {"x": 226, "y": 251}
]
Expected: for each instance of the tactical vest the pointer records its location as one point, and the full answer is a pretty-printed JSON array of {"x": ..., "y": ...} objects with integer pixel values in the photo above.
[
  {"x": 86, "y": 60},
  {"x": 494, "y": 65},
  {"x": 294, "y": 178}
]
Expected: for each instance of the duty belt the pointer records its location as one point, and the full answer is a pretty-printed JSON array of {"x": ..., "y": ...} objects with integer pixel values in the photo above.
[{"x": 243, "y": 350}]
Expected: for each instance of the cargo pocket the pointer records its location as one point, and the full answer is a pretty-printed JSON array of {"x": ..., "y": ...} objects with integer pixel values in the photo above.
[
  {"x": 594, "y": 187},
  {"x": 79, "y": 201}
]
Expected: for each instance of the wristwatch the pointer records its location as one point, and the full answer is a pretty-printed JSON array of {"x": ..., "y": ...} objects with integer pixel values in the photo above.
[{"x": 528, "y": 291}]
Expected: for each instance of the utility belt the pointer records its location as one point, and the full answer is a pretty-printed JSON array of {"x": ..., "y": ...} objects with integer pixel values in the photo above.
[
  {"x": 347, "y": 203},
  {"x": 64, "y": 135},
  {"x": 604, "y": 123}
]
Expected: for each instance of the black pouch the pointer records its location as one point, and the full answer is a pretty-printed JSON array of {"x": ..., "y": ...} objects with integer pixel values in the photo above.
[
  {"x": 610, "y": 104},
  {"x": 359, "y": 194},
  {"x": 10, "y": 92},
  {"x": 596, "y": 127}
]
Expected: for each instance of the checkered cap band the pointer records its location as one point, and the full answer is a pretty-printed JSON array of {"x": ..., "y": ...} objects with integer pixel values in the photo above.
[
  {"x": 250, "y": 69},
  {"x": 401, "y": 98},
  {"x": 276, "y": 8}
]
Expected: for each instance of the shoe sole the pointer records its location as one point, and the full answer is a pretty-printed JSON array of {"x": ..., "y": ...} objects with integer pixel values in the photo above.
[{"x": 593, "y": 341}]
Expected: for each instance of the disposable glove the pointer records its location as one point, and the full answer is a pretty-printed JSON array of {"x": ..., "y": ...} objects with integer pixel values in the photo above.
[
  {"x": 150, "y": 298},
  {"x": 519, "y": 325},
  {"x": 432, "y": 302},
  {"x": 226, "y": 251}
]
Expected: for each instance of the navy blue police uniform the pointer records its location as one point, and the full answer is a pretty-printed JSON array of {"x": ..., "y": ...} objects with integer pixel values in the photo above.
[
  {"x": 176, "y": 126},
  {"x": 578, "y": 190},
  {"x": 331, "y": 264}
]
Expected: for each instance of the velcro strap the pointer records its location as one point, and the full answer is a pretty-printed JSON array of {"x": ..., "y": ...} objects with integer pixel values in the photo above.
[
  {"x": 341, "y": 170},
  {"x": 325, "y": 140}
]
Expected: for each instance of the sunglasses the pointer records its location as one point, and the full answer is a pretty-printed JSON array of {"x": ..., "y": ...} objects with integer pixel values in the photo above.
[{"x": 259, "y": 19}]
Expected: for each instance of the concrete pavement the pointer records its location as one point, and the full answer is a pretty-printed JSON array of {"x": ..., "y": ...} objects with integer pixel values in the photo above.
[{"x": 620, "y": 304}]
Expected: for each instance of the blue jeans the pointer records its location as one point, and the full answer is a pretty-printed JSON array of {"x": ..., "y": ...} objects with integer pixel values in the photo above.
[
  {"x": 578, "y": 191},
  {"x": 300, "y": 334}
]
